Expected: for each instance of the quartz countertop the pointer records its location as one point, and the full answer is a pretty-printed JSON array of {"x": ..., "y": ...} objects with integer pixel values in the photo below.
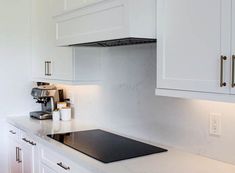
[{"x": 172, "y": 161}]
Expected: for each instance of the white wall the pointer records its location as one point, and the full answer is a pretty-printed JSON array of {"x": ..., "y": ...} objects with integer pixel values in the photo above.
[
  {"x": 15, "y": 65},
  {"x": 125, "y": 102}
]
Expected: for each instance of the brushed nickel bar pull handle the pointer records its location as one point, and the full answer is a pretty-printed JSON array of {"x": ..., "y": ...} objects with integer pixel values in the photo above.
[
  {"x": 32, "y": 143},
  {"x": 62, "y": 166},
  {"x": 49, "y": 68},
  {"x": 19, "y": 161},
  {"x": 24, "y": 139},
  {"x": 16, "y": 154},
  {"x": 222, "y": 59},
  {"x": 233, "y": 70},
  {"x": 45, "y": 68}
]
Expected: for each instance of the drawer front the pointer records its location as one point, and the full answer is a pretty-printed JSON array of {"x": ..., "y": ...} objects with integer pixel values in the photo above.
[
  {"x": 59, "y": 163},
  {"x": 45, "y": 169},
  {"x": 13, "y": 132},
  {"x": 27, "y": 140}
]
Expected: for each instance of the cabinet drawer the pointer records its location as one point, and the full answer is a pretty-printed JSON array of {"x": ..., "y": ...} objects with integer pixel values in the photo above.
[
  {"x": 13, "y": 132},
  {"x": 27, "y": 140},
  {"x": 59, "y": 163},
  {"x": 45, "y": 169}
]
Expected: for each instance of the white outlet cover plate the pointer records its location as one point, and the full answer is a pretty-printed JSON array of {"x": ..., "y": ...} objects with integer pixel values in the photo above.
[{"x": 215, "y": 124}]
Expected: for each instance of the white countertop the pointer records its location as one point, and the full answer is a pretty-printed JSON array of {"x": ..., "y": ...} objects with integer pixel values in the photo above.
[{"x": 173, "y": 161}]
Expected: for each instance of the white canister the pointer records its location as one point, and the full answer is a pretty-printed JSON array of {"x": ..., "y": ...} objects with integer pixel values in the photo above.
[
  {"x": 56, "y": 115},
  {"x": 66, "y": 114}
]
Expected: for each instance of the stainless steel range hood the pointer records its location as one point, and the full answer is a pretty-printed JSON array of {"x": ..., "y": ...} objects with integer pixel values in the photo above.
[{"x": 117, "y": 42}]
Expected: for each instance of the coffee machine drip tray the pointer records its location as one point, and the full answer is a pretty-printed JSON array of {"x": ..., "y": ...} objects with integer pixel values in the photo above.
[{"x": 41, "y": 115}]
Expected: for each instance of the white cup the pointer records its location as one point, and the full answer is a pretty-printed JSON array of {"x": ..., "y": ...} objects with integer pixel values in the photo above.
[
  {"x": 56, "y": 115},
  {"x": 66, "y": 114}
]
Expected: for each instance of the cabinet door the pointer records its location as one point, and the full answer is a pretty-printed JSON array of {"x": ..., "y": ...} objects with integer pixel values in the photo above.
[
  {"x": 14, "y": 164},
  {"x": 27, "y": 156},
  {"x": 62, "y": 57},
  {"x": 44, "y": 44},
  {"x": 192, "y": 35},
  {"x": 41, "y": 42},
  {"x": 45, "y": 169}
]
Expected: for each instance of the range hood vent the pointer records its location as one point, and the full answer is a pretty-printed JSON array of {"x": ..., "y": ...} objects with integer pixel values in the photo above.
[{"x": 117, "y": 42}]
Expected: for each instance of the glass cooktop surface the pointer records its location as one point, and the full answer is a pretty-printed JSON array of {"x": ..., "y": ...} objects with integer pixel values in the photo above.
[{"x": 104, "y": 146}]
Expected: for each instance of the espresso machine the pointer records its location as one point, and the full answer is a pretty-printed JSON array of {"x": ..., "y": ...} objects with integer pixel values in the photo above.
[{"x": 47, "y": 96}]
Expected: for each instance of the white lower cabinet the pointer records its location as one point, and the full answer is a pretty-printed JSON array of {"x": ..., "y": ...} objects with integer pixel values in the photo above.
[
  {"x": 22, "y": 152},
  {"x": 28, "y": 156},
  {"x": 52, "y": 161}
]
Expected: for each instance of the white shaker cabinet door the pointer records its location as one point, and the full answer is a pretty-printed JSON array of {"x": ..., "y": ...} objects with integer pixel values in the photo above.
[
  {"x": 14, "y": 160},
  {"x": 41, "y": 42},
  {"x": 27, "y": 159},
  {"x": 61, "y": 67},
  {"x": 192, "y": 36},
  {"x": 49, "y": 61}
]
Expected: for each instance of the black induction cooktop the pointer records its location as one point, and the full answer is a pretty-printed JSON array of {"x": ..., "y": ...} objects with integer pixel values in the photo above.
[{"x": 104, "y": 146}]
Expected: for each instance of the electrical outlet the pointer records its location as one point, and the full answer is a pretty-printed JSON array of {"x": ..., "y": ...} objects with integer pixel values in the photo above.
[{"x": 215, "y": 124}]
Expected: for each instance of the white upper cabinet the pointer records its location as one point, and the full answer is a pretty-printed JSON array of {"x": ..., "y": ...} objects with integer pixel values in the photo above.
[
  {"x": 49, "y": 62},
  {"x": 57, "y": 64},
  {"x": 193, "y": 36},
  {"x": 105, "y": 20}
]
